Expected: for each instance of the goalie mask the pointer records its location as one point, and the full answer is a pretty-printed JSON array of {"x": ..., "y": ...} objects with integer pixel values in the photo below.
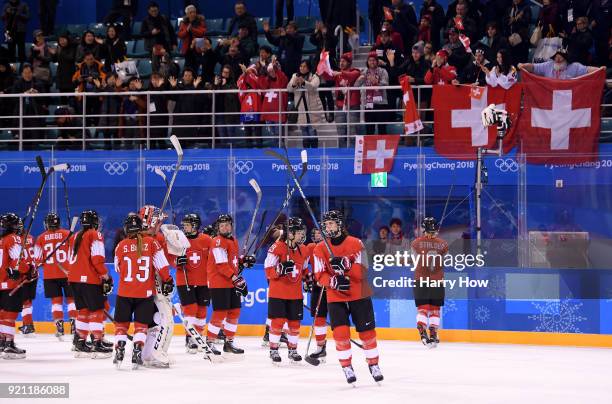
[
  {"x": 89, "y": 219},
  {"x": 9, "y": 223},
  {"x": 132, "y": 225},
  {"x": 52, "y": 221},
  {"x": 151, "y": 217},
  {"x": 295, "y": 225},
  {"x": 430, "y": 225},
  {"x": 194, "y": 222},
  {"x": 336, "y": 217},
  {"x": 224, "y": 218}
]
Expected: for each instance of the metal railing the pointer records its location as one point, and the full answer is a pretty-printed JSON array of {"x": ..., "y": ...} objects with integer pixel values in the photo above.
[{"x": 24, "y": 127}]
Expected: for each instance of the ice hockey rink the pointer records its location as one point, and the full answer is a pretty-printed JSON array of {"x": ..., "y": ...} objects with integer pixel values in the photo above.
[{"x": 451, "y": 373}]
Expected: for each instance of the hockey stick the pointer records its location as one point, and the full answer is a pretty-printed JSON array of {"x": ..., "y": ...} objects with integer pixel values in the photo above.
[
  {"x": 110, "y": 317},
  {"x": 257, "y": 189},
  {"x": 327, "y": 323},
  {"x": 159, "y": 172},
  {"x": 197, "y": 337},
  {"x": 261, "y": 222},
  {"x": 179, "y": 153},
  {"x": 304, "y": 157},
  {"x": 68, "y": 216},
  {"x": 57, "y": 247}
]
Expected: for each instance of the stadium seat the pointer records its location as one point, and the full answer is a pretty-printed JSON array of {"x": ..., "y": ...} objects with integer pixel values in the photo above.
[
  {"x": 535, "y": 12},
  {"x": 144, "y": 68},
  {"x": 139, "y": 49},
  {"x": 181, "y": 63},
  {"x": 259, "y": 21},
  {"x": 98, "y": 28},
  {"x": 308, "y": 48},
  {"x": 53, "y": 68},
  {"x": 129, "y": 47},
  {"x": 305, "y": 24},
  {"x": 77, "y": 29},
  {"x": 136, "y": 29},
  {"x": 60, "y": 29},
  {"x": 215, "y": 26},
  {"x": 262, "y": 40}
]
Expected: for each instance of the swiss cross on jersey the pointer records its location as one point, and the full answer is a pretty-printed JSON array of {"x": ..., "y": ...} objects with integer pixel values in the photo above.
[
  {"x": 375, "y": 154},
  {"x": 458, "y": 128},
  {"x": 560, "y": 122}
]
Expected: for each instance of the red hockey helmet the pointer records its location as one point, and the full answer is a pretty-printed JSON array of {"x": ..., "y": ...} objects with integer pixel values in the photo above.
[{"x": 151, "y": 217}]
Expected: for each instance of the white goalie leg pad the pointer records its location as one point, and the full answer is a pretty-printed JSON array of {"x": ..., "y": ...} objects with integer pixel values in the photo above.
[{"x": 159, "y": 337}]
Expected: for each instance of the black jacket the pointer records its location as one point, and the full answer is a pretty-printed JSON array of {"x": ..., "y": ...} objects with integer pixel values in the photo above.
[
  {"x": 66, "y": 66},
  {"x": 112, "y": 52},
  {"x": 289, "y": 51},
  {"x": 329, "y": 42},
  {"x": 165, "y": 37},
  {"x": 578, "y": 46},
  {"x": 418, "y": 70},
  {"x": 246, "y": 19},
  {"x": 473, "y": 74},
  {"x": 405, "y": 23}
]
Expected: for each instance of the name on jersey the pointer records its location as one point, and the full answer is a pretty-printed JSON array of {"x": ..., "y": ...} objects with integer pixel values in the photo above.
[
  {"x": 133, "y": 247},
  {"x": 54, "y": 236}
]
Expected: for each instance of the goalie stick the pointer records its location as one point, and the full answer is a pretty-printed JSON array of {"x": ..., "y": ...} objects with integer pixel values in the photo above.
[
  {"x": 159, "y": 172},
  {"x": 197, "y": 337},
  {"x": 68, "y": 216},
  {"x": 257, "y": 190},
  {"x": 179, "y": 153}
]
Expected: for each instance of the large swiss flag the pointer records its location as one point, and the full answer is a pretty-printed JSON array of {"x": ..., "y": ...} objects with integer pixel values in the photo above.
[
  {"x": 560, "y": 122},
  {"x": 458, "y": 129},
  {"x": 375, "y": 153}
]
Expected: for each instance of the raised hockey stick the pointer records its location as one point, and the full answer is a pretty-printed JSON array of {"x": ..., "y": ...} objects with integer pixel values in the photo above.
[
  {"x": 159, "y": 172},
  {"x": 257, "y": 190},
  {"x": 179, "y": 153},
  {"x": 261, "y": 222},
  {"x": 57, "y": 247},
  {"x": 327, "y": 323},
  {"x": 197, "y": 337},
  {"x": 68, "y": 216}
]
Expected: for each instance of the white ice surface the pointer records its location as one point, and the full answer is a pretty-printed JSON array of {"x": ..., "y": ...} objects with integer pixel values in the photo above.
[{"x": 452, "y": 373}]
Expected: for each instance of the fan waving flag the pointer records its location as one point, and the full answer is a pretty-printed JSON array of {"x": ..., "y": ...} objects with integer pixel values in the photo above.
[
  {"x": 324, "y": 67},
  {"x": 412, "y": 122},
  {"x": 561, "y": 118},
  {"x": 375, "y": 153},
  {"x": 458, "y": 129},
  {"x": 388, "y": 14}
]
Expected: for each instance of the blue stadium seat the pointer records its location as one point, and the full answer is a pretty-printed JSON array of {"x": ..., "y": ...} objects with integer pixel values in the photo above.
[
  {"x": 305, "y": 24},
  {"x": 53, "y": 68},
  {"x": 138, "y": 51},
  {"x": 76, "y": 29},
  {"x": 262, "y": 40},
  {"x": 181, "y": 64},
  {"x": 308, "y": 48},
  {"x": 129, "y": 47},
  {"x": 136, "y": 29},
  {"x": 59, "y": 29},
  {"x": 259, "y": 21},
  {"x": 214, "y": 26},
  {"x": 98, "y": 28},
  {"x": 144, "y": 68},
  {"x": 535, "y": 12}
]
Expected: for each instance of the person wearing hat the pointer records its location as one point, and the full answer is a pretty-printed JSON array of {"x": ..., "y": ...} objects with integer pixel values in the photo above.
[
  {"x": 441, "y": 72},
  {"x": 375, "y": 99},
  {"x": 558, "y": 67},
  {"x": 396, "y": 38},
  {"x": 476, "y": 72},
  {"x": 458, "y": 56},
  {"x": 415, "y": 66},
  {"x": 193, "y": 26}
]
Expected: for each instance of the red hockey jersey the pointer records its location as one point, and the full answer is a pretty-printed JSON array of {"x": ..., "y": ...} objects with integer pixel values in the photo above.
[
  {"x": 197, "y": 259},
  {"x": 222, "y": 262},
  {"x": 45, "y": 244},
  {"x": 9, "y": 255},
  {"x": 289, "y": 286},
  {"x": 87, "y": 264},
  {"x": 250, "y": 102},
  {"x": 274, "y": 103},
  {"x": 430, "y": 257}
]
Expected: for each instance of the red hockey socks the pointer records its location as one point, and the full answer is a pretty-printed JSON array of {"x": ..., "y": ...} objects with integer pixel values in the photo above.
[
  {"x": 294, "y": 333},
  {"x": 231, "y": 323},
  {"x": 140, "y": 333},
  {"x": 369, "y": 346},
  {"x": 26, "y": 312},
  {"x": 215, "y": 324},
  {"x": 276, "y": 328},
  {"x": 422, "y": 312},
  {"x": 57, "y": 310},
  {"x": 342, "y": 336},
  {"x": 72, "y": 311},
  {"x": 320, "y": 330},
  {"x": 82, "y": 323},
  {"x": 200, "y": 319},
  {"x": 96, "y": 324}
]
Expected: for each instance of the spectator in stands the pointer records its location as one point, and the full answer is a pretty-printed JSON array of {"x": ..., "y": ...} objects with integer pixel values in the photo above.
[
  {"x": 227, "y": 107},
  {"x": 113, "y": 49},
  {"x": 28, "y": 84},
  {"x": 7, "y": 79},
  {"x": 158, "y": 108},
  {"x": 193, "y": 26},
  {"x": 68, "y": 129},
  {"x": 40, "y": 57},
  {"x": 428, "y": 52},
  {"x": 463, "y": 19},
  {"x": 397, "y": 240},
  {"x": 375, "y": 99},
  {"x": 88, "y": 44},
  {"x": 473, "y": 9},
  {"x": 324, "y": 38},
  {"x": 88, "y": 78},
  {"x": 579, "y": 42},
  {"x": 493, "y": 11},
  {"x": 168, "y": 67},
  {"x": 125, "y": 11},
  {"x": 599, "y": 15},
  {"x": 250, "y": 101},
  {"x": 379, "y": 244},
  {"x": 517, "y": 20},
  {"x": 158, "y": 34},
  {"x": 265, "y": 57},
  {"x": 441, "y": 72},
  {"x": 247, "y": 45},
  {"x": 231, "y": 56},
  {"x": 46, "y": 14},
  {"x": 242, "y": 17},
  {"x": 558, "y": 67},
  {"x": 304, "y": 85},
  {"x": 16, "y": 15},
  {"x": 65, "y": 57},
  {"x": 503, "y": 74},
  {"x": 570, "y": 10},
  {"x": 376, "y": 13},
  {"x": 492, "y": 42},
  {"x": 458, "y": 56},
  {"x": 475, "y": 73},
  {"x": 415, "y": 67},
  {"x": 274, "y": 103},
  {"x": 549, "y": 18},
  {"x": 289, "y": 43},
  {"x": 132, "y": 113},
  {"x": 348, "y": 102},
  {"x": 278, "y": 21},
  {"x": 396, "y": 38},
  {"x": 437, "y": 20},
  {"x": 206, "y": 59},
  {"x": 343, "y": 13},
  {"x": 404, "y": 22},
  {"x": 425, "y": 31},
  {"x": 109, "y": 109},
  {"x": 382, "y": 51},
  {"x": 188, "y": 106}
]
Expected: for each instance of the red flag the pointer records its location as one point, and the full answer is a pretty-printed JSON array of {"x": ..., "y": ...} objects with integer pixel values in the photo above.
[
  {"x": 388, "y": 14},
  {"x": 459, "y": 23},
  {"x": 324, "y": 67},
  {"x": 466, "y": 43},
  {"x": 561, "y": 118},
  {"x": 458, "y": 129},
  {"x": 375, "y": 153},
  {"x": 412, "y": 122}
]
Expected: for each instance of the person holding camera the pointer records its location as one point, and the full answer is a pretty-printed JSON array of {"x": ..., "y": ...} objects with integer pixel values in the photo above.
[
  {"x": 88, "y": 78},
  {"x": 16, "y": 15},
  {"x": 304, "y": 85}
]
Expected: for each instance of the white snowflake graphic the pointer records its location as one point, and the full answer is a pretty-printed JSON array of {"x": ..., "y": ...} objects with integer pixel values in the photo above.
[
  {"x": 558, "y": 316},
  {"x": 496, "y": 288},
  {"x": 482, "y": 314},
  {"x": 449, "y": 306}
]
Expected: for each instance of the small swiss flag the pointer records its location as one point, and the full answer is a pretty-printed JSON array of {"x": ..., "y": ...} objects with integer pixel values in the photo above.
[{"x": 375, "y": 153}]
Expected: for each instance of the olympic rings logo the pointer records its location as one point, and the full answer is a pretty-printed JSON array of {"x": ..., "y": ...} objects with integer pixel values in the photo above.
[
  {"x": 507, "y": 165},
  {"x": 241, "y": 167},
  {"x": 3, "y": 168},
  {"x": 115, "y": 167}
]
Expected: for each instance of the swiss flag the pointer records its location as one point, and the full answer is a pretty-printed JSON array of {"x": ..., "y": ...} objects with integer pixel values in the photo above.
[
  {"x": 561, "y": 118},
  {"x": 412, "y": 122},
  {"x": 375, "y": 153},
  {"x": 388, "y": 14},
  {"x": 459, "y": 23},
  {"x": 458, "y": 129},
  {"x": 324, "y": 67}
]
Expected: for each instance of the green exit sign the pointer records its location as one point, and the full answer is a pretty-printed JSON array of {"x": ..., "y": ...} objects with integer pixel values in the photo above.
[{"x": 378, "y": 180}]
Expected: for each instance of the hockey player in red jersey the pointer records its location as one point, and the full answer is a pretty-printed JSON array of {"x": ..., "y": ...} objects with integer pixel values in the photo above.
[
  {"x": 90, "y": 284},
  {"x": 191, "y": 278},
  {"x": 310, "y": 285},
  {"x": 285, "y": 266},
  {"x": 226, "y": 283},
  {"x": 29, "y": 289},
  {"x": 55, "y": 280},
  {"x": 344, "y": 274},
  {"x": 13, "y": 271},
  {"x": 137, "y": 259},
  {"x": 430, "y": 250}
]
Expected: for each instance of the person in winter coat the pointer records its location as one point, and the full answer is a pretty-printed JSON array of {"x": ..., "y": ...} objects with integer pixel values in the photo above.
[
  {"x": 404, "y": 21},
  {"x": 16, "y": 15},
  {"x": 415, "y": 66},
  {"x": 304, "y": 85},
  {"x": 193, "y": 26},
  {"x": 580, "y": 42},
  {"x": 250, "y": 104},
  {"x": 290, "y": 44},
  {"x": 28, "y": 84},
  {"x": 110, "y": 108},
  {"x": 188, "y": 106},
  {"x": 274, "y": 103},
  {"x": 230, "y": 55},
  {"x": 113, "y": 49},
  {"x": 475, "y": 73},
  {"x": 441, "y": 72},
  {"x": 517, "y": 22},
  {"x": 375, "y": 99},
  {"x": 324, "y": 39},
  {"x": 65, "y": 57},
  {"x": 493, "y": 41},
  {"x": 549, "y": 18},
  {"x": 396, "y": 38},
  {"x": 40, "y": 56},
  {"x": 158, "y": 34},
  {"x": 242, "y": 17},
  {"x": 88, "y": 78},
  {"x": 227, "y": 107},
  {"x": 437, "y": 19},
  {"x": 158, "y": 107},
  {"x": 88, "y": 44},
  {"x": 132, "y": 113}
]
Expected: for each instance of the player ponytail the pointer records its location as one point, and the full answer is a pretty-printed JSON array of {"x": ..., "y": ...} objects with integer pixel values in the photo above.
[
  {"x": 139, "y": 244},
  {"x": 77, "y": 241}
]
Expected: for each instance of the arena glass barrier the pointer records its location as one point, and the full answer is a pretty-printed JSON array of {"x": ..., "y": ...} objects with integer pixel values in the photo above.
[{"x": 547, "y": 276}]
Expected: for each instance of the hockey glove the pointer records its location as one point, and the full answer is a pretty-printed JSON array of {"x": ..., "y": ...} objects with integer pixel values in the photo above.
[
  {"x": 240, "y": 285},
  {"x": 340, "y": 283},
  {"x": 13, "y": 273},
  {"x": 248, "y": 261},
  {"x": 308, "y": 284},
  {"x": 167, "y": 287},
  {"x": 285, "y": 268},
  {"x": 181, "y": 261},
  {"x": 32, "y": 273},
  {"x": 107, "y": 286},
  {"x": 340, "y": 265}
]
